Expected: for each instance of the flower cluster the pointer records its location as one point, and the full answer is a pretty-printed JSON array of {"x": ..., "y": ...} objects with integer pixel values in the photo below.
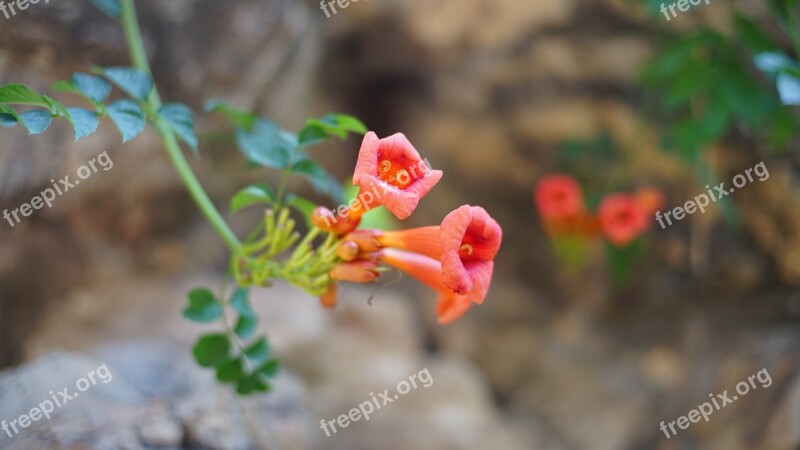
[
  {"x": 455, "y": 258},
  {"x": 621, "y": 217}
]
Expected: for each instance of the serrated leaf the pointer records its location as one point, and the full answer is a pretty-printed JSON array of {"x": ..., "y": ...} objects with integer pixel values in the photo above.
[
  {"x": 110, "y": 7},
  {"x": 84, "y": 122},
  {"x": 181, "y": 120},
  {"x": 36, "y": 121},
  {"x": 19, "y": 94},
  {"x": 239, "y": 118},
  {"x": 319, "y": 178},
  {"x": 132, "y": 81},
  {"x": 246, "y": 326},
  {"x": 258, "y": 350},
  {"x": 270, "y": 368},
  {"x": 212, "y": 350},
  {"x": 203, "y": 306},
  {"x": 128, "y": 117},
  {"x": 230, "y": 371},
  {"x": 788, "y": 89},
  {"x": 251, "y": 195},
  {"x": 92, "y": 87},
  {"x": 265, "y": 144},
  {"x": 252, "y": 383}
]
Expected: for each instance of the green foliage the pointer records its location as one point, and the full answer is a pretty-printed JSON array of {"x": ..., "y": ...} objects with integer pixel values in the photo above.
[
  {"x": 212, "y": 350},
  {"x": 130, "y": 115},
  {"x": 704, "y": 85},
  {"x": 252, "y": 195},
  {"x": 180, "y": 118},
  {"x": 84, "y": 121},
  {"x": 319, "y": 178},
  {"x": 265, "y": 144},
  {"x": 203, "y": 306},
  {"x": 133, "y": 82},
  {"x": 247, "y": 366}
]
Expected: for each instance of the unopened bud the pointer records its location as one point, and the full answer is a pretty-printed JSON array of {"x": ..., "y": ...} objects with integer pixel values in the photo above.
[{"x": 347, "y": 250}]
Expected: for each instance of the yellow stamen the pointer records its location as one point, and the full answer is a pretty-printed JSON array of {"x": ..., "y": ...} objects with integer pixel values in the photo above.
[
  {"x": 385, "y": 166},
  {"x": 467, "y": 248}
]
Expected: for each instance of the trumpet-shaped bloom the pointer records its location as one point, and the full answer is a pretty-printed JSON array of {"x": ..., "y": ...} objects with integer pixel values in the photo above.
[
  {"x": 392, "y": 167},
  {"x": 450, "y": 305},
  {"x": 559, "y": 198},
  {"x": 622, "y": 218},
  {"x": 466, "y": 244},
  {"x": 470, "y": 241}
]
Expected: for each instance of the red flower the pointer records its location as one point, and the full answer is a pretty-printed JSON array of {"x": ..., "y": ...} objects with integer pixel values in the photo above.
[
  {"x": 622, "y": 218},
  {"x": 466, "y": 244},
  {"x": 470, "y": 241},
  {"x": 559, "y": 198},
  {"x": 391, "y": 171},
  {"x": 450, "y": 305}
]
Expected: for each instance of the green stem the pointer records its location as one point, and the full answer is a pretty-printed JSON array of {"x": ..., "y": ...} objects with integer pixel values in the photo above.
[{"x": 133, "y": 39}]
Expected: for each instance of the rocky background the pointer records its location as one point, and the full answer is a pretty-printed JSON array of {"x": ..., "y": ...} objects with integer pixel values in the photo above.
[{"x": 487, "y": 90}]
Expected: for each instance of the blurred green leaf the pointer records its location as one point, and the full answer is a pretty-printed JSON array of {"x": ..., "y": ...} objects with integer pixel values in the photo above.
[
  {"x": 239, "y": 118},
  {"x": 181, "y": 119},
  {"x": 230, "y": 371},
  {"x": 270, "y": 368},
  {"x": 85, "y": 122},
  {"x": 240, "y": 303},
  {"x": 132, "y": 81},
  {"x": 128, "y": 117},
  {"x": 788, "y": 89},
  {"x": 203, "y": 306},
  {"x": 212, "y": 350},
  {"x": 246, "y": 326},
  {"x": 36, "y": 121},
  {"x": 258, "y": 350},
  {"x": 265, "y": 144},
  {"x": 90, "y": 86},
  {"x": 252, "y": 195},
  {"x": 319, "y": 179},
  {"x": 19, "y": 94},
  {"x": 252, "y": 383}
]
